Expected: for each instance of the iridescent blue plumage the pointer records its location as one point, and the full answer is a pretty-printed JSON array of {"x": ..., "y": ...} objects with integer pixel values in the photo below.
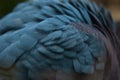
[{"x": 39, "y": 35}]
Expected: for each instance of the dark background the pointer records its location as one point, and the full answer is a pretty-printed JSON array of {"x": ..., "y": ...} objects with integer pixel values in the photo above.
[{"x": 7, "y": 5}]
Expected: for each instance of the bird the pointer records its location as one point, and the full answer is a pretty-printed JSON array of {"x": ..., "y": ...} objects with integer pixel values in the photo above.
[{"x": 59, "y": 40}]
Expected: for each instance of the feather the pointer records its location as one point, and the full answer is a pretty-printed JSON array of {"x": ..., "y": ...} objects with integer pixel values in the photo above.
[{"x": 71, "y": 36}]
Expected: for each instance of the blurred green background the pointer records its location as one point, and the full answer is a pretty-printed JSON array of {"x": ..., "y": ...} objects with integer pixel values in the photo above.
[{"x": 6, "y": 6}]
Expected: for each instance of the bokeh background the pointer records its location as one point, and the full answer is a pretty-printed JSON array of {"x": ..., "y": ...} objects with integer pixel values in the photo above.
[
  {"x": 113, "y": 5},
  {"x": 6, "y": 6}
]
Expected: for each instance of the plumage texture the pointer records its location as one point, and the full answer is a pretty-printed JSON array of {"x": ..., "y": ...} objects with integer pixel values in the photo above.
[
  {"x": 118, "y": 28},
  {"x": 53, "y": 35}
]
